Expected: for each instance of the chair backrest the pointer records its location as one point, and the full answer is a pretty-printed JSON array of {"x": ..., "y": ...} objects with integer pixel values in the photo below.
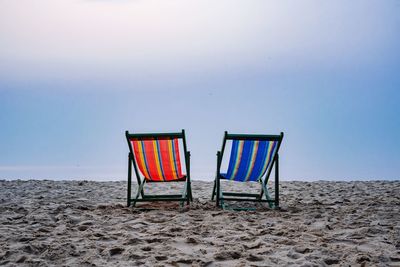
[
  {"x": 251, "y": 156},
  {"x": 157, "y": 155}
]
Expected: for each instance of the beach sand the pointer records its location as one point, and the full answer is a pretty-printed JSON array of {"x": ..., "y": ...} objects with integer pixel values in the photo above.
[{"x": 85, "y": 223}]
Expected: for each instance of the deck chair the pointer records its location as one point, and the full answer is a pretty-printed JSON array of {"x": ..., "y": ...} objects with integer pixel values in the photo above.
[
  {"x": 251, "y": 160},
  {"x": 156, "y": 156}
]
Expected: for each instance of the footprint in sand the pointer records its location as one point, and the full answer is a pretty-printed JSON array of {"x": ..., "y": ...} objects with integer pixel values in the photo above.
[{"x": 116, "y": 251}]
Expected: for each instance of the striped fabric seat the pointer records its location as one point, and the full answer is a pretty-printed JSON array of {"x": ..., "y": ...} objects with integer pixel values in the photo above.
[
  {"x": 250, "y": 159},
  {"x": 158, "y": 159}
]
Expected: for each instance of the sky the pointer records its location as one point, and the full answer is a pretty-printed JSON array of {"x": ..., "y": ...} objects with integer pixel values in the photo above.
[{"x": 75, "y": 74}]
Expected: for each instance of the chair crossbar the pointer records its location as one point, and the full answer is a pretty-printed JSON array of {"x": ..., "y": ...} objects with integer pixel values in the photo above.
[
  {"x": 161, "y": 196},
  {"x": 240, "y": 194},
  {"x": 159, "y": 199},
  {"x": 154, "y": 135},
  {"x": 170, "y": 181},
  {"x": 253, "y": 137},
  {"x": 247, "y": 199}
]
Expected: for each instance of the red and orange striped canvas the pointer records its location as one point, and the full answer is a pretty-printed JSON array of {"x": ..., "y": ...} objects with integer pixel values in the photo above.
[{"x": 158, "y": 159}]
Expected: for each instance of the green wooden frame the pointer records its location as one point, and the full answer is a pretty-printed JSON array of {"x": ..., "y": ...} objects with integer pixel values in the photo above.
[
  {"x": 263, "y": 196},
  {"x": 186, "y": 195}
]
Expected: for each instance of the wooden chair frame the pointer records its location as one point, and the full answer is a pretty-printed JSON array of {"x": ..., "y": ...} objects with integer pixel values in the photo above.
[
  {"x": 222, "y": 196},
  {"x": 186, "y": 195}
]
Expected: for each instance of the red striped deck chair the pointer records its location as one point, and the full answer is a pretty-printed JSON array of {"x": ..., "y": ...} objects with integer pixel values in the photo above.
[
  {"x": 156, "y": 158},
  {"x": 251, "y": 160}
]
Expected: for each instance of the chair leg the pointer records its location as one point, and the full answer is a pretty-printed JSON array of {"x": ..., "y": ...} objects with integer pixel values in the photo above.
[
  {"x": 264, "y": 188},
  {"x": 142, "y": 193},
  {"x": 213, "y": 191},
  {"x": 184, "y": 194},
  {"x": 277, "y": 182},
  {"x": 140, "y": 189},
  {"x": 218, "y": 185},
  {"x": 221, "y": 196},
  {"x": 190, "y": 191},
  {"x": 128, "y": 198}
]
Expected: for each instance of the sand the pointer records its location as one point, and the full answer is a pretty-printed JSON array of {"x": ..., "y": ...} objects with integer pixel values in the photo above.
[{"x": 85, "y": 223}]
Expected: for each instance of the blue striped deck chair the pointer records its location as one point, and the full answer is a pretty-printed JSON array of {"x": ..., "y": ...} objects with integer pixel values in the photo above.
[
  {"x": 252, "y": 159},
  {"x": 156, "y": 158}
]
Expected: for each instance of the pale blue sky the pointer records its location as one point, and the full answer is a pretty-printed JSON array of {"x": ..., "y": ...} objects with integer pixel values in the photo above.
[{"x": 75, "y": 74}]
